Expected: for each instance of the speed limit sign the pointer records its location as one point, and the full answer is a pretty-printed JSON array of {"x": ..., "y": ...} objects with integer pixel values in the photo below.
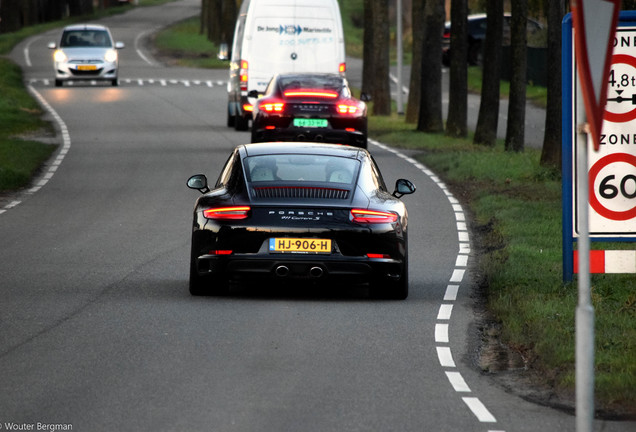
[{"x": 612, "y": 169}]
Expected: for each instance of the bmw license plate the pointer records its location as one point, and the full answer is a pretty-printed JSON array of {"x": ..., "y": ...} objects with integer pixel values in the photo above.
[
  {"x": 304, "y": 245},
  {"x": 306, "y": 122}
]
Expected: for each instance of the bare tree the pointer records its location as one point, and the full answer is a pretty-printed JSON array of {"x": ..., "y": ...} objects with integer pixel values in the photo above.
[
  {"x": 458, "y": 87},
  {"x": 430, "y": 112},
  {"x": 488, "y": 119},
  {"x": 551, "y": 151},
  {"x": 518, "y": 71},
  {"x": 413, "y": 102}
]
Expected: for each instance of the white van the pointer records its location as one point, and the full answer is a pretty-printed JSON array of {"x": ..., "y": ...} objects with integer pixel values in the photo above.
[{"x": 280, "y": 36}]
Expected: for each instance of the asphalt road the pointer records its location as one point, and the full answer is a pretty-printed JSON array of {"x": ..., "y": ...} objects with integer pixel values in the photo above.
[{"x": 98, "y": 330}]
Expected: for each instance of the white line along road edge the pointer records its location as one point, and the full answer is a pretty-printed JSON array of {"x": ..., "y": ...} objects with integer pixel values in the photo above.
[
  {"x": 446, "y": 308},
  {"x": 52, "y": 166}
]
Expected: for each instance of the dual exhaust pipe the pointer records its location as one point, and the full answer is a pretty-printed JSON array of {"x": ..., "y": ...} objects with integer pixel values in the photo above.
[{"x": 283, "y": 271}]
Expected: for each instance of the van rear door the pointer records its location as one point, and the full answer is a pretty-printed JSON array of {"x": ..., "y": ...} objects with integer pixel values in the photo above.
[{"x": 309, "y": 41}]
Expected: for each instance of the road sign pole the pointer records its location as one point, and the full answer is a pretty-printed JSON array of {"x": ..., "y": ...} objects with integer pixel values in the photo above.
[{"x": 584, "y": 311}]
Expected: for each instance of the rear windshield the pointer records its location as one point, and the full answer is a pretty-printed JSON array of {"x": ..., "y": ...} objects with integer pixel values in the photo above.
[
  {"x": 301, "y": 168},
  {"x": 295, "y": 82},
  {"x": 86, "y": 38}
]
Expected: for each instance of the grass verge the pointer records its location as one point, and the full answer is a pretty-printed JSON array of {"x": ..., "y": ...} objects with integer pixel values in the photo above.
[
  {"x": 516, "y": 224},
  {"x": 20, "y": 117}
]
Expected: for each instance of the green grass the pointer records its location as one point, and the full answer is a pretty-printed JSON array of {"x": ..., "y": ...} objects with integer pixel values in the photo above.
[
  {"x": 516, "y": 223},
  {"x": 20, "y": 116},
  {"x": 187, "y": 47}
]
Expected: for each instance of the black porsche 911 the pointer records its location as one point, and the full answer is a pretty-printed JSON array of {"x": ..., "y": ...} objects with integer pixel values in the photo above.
[
  {"x": 300, "y": 212},
  {"x": 309, "y": 107}
]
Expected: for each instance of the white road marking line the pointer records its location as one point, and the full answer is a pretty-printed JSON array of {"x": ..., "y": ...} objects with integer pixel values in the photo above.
[
  {"x": 480, "y": 411},
  {"x": 457, "y": 276},
  {"x": 457, "y": 381},
  {"x": 462, "y": 261},
  {"x": 451, "y": 293},
  {"x": 441, "y": 330},
  {"x": 445, "y": 311},
  {"x": 445, "y": 357},
  {"x": 441, "y": 333}
]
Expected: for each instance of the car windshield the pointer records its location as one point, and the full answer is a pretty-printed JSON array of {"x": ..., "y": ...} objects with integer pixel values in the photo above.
[
  {"x": 298, "y": 82},
  {"x": 301, "y": 168},
  {"x": 85, "y": 38}
]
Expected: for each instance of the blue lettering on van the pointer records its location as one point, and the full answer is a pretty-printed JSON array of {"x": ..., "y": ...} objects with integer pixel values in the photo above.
[{"x": 290, "y": 29}]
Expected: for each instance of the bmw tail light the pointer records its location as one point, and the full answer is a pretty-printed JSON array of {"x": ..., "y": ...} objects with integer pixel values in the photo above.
[
  {"x": 364, "y": 216},
  {"x": 238, "y": 212},
  {"x": 271, "y": 106},
  {"x": 243, "y": 75}
]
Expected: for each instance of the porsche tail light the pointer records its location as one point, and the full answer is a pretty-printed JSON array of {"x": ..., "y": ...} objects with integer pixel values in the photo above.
[
  {"x": 243, "y": 75},
  {"x": 271, "y": 106},
  {"x": 220, "y": 252},
  {"x": 347, "y": 109},
  {"x": 311, "y": 93},
  {"x": 364, "y": 216},
  {"x": 238, "y": 212}
]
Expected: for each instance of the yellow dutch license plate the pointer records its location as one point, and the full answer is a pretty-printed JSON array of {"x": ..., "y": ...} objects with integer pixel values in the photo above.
[
  {"x": 305, "y": 245},
  {"x": 86, "y": 67}
]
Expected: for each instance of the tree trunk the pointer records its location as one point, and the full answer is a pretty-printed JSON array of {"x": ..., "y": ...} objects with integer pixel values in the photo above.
[
  {"x": 430, "y": 112},
  {"x": 381, "y": 37},
  {"x": 413, "y": 102},
  {"x": 551, "y": 151},
  {"x": 228, "y": 21},
  {"x": 488, "y": 119},
  {"x": 368, "y": 62},
  {"x": 517, "y": 103},
  {"x": 458, "y": 80}
]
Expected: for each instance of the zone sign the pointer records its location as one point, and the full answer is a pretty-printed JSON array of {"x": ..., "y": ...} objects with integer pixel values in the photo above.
[{"x": 612, "y": 169}]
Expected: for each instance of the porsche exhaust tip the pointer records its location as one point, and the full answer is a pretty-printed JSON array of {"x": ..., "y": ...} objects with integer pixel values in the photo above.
[
  {"x": 281, "y": 271},
  {"x": 316, "y": 272}
]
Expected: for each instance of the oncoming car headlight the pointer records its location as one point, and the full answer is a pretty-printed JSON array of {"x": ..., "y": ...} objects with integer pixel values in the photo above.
[
  {"x": 59, "y": 56},
  {"x": 110, "y": 56}
]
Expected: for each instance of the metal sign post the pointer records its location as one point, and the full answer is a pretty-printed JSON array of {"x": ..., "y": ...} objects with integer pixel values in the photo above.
[{"x": 594, "y": 26}]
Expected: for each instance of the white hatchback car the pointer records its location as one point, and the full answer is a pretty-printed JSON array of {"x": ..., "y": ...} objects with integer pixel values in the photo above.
[{"x": 86, "y": 52}]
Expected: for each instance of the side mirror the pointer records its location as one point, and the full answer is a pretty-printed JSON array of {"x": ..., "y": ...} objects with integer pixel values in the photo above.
[
  {"x": 199, "y": 182},
  {"x": 403, "y": 187},
  {"x": 223, "y": 53},
  {"x": 52, "y": 45},
  {"x": 365, "y": 97},
  {"x": 119, "y": 45},
  {"x": 253, "y": 94}
]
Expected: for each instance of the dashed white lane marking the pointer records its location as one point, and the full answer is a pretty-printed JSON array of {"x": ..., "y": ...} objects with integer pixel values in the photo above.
[
  {"x": 140, "y": 82},
  {"x": 457, "y": 381},
  {"x": 479, "y": 409},
  {"x": 54, "y": 165},
  {"x": 444, "y": 353}
]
